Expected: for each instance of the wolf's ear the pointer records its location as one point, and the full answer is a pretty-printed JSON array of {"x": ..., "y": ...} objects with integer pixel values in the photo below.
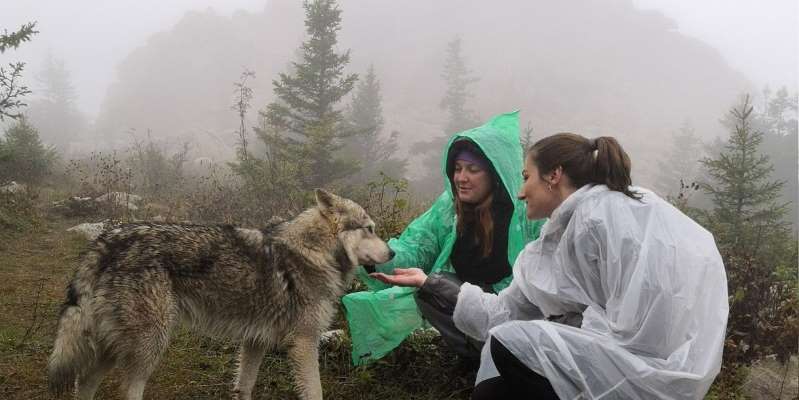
[{"x": 324, "y": 199}]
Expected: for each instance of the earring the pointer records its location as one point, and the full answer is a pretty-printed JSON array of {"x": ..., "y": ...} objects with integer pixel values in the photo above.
[{"x": 549, "y": 186}]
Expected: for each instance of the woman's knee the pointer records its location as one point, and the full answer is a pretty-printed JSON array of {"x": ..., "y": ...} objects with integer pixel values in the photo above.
[{"x": 493, "y": 388}]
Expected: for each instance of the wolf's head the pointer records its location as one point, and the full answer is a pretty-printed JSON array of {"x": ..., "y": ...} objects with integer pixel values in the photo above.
[{"x": 354, "y": 229}]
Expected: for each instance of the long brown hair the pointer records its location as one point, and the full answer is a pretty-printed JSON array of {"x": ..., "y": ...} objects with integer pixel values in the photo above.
[
  {"x": 598, "y": 161},
  {"x": 480, "y": 214}
]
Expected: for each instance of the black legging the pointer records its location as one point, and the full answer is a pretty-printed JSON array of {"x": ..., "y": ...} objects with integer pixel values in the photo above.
[
  {"x": 436, "y": 302},
  {"x": 515, "y": 380}
]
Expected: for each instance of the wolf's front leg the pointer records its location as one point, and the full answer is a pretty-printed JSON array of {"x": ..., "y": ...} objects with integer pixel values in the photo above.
[
  {"x": 250, "y": 357},
  {"x": 304, "y": 357}
]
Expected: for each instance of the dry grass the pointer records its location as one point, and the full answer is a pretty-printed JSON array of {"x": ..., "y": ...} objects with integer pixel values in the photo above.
[
  {"x": 768, "y": 379},
  {"x": 37, "y": 260},
  {"x": 34, "y": 268}
]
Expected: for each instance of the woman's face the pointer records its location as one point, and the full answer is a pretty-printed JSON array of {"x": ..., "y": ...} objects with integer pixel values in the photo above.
[
  {"x": 472, "y": 183},
  {"x": 541, "y": 199}
]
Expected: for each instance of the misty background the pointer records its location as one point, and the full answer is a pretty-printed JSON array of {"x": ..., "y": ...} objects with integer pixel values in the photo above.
[
  {"x": 639, "y": 70},
  {"x": 231, "y": 112}
]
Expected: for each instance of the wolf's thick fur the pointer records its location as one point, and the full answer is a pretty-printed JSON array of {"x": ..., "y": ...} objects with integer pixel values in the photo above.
[{"x": 271, "y": 288}]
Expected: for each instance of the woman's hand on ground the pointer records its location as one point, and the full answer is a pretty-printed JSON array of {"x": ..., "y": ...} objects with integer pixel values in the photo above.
[{"x": 402, "y": 277}]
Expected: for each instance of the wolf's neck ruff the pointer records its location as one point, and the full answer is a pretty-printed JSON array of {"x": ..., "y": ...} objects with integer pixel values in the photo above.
[{"x": 313, "y": 236}]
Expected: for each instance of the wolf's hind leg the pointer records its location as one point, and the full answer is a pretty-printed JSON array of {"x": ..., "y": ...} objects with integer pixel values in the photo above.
[
  {"x": 304, "y": 357},
  {"x": 90, "y": 380},
  {"x": 145, "y": 334},
  {"x": 140, "y": 363},
  {"x": 250, "y": 357},
  {"x": 135, "y": 390}
]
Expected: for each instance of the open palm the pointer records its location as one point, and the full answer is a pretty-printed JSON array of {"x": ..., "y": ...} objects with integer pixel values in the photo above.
[{"x": 402, "y": 277}]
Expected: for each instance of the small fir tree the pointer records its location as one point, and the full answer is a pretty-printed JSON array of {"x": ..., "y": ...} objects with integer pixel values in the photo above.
[
  {"x": 307, "y": 125},
  {"x": 458, "y": 79},
  {"x": 745, "y": 200},
  {"x": 780, "y": 112},
  {"x": 374, "y": 152},
  {"x": 243, "y": 93},
  {"x": 23, "y": 157},
  {"x": 55, "y": 113},
  {"x": 679, "y": 168},
  {"x": 778, "y": 120},
  {"x": 748, "y": 223}
]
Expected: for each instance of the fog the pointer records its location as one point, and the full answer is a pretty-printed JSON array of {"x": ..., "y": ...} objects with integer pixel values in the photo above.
[
  {"x": 636, "y": 69},
  {"x": 93, "y": 37},
  {"x": 138, "y": 113},
  {"x": 760, "y": 39}
]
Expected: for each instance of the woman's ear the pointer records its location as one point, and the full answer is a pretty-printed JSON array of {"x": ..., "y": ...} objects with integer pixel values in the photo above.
[{"x": 554, "y": 177}]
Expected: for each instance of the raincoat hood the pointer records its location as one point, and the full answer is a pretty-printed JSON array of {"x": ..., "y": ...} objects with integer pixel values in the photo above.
[{"x": 498, "y": 139}]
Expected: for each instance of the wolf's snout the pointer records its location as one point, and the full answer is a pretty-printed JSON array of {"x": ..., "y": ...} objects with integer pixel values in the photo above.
[{"x": 391, "y": 254}]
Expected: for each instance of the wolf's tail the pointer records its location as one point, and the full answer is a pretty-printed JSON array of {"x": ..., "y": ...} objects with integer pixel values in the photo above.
[{"x": 75, "y": 350}]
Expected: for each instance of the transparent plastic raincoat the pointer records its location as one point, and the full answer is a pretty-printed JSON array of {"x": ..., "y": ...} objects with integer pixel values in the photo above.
[
  {"x": 380, "y": 319},
  {"x": 650, "y": 285}
]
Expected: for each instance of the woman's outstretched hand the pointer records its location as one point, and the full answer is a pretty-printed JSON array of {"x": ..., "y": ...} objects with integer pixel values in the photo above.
[{"x": 402, "y": 277}]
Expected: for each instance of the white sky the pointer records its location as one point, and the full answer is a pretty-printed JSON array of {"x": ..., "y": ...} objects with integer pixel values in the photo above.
[{"x": 759, "y": 38}]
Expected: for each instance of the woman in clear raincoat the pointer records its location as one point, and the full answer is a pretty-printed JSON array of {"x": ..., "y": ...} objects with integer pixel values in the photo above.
[{"x": 621, "y": 297}]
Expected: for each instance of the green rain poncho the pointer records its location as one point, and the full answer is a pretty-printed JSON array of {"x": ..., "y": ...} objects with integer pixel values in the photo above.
[{"x": 382, "y": 318}]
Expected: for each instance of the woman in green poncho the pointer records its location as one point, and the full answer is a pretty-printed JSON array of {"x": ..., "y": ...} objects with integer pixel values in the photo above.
[{"x": 472, "y": 232}]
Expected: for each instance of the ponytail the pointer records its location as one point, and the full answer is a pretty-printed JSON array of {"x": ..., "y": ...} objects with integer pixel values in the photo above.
[
  {"x": 598, "y": 161},
  {"x": 612, "y": 166}
]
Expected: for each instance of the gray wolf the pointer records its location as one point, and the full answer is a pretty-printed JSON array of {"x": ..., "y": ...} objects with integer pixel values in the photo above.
[{"x": 272, "y": 288}]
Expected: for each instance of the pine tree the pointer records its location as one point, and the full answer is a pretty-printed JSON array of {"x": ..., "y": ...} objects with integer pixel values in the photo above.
[
  {"x": 745, "y": 200},
  {"x": 781, "y": 112},
  {"x": 526, "y": 137},
  {"x": 679, "y": 168},
  {"x": 367, "y": 145},
  {"x": 778, "y": 120},
  {"x": 458, "y": 78},
  {"x": 11, "y": 89},
  {"x": 307, "y": 126},
  {"x": 748, "y": 224},
  {"x": 55, "y": 113},
  {"x": 14, "y": 39},
  {"x": 241, "y": 105},
  {"x": 23, "y": 157}
]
